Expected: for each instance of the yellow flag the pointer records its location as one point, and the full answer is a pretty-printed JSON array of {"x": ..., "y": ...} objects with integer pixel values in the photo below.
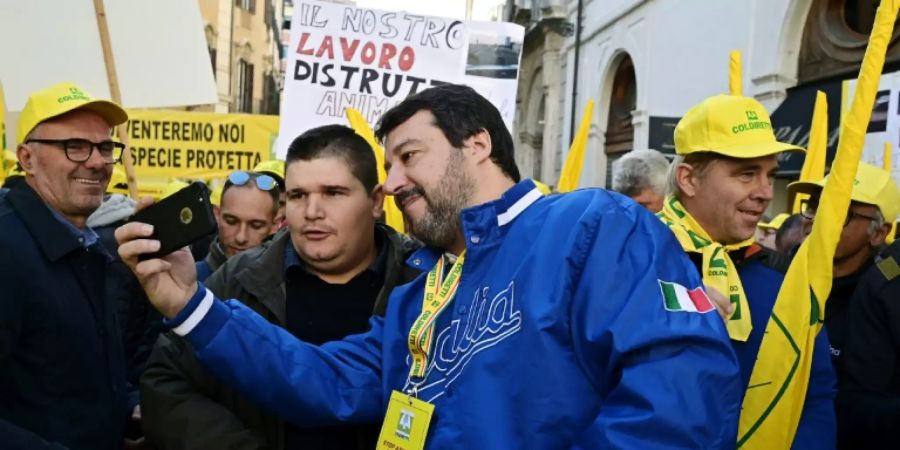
[
  {"x": 735, "y": 78},
  {"x": 571, "y": 169},
  {"x": 814, "y": 164},
  {"x": 392, "y": 215},
  {"x": 775, "y": 396}
]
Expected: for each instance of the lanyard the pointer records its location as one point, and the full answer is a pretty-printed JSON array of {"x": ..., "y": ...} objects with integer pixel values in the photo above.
[{"x": 439, "y": 292}]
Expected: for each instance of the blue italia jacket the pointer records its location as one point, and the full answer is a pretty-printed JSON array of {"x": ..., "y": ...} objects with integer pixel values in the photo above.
[{"x": 558, "y": 337}]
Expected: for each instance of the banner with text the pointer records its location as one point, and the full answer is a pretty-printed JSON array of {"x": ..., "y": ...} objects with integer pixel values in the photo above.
[
  {"x": 884, "y": 126},
  {"x": 177, "y": 143},
  {"x": 371, "y": 60}
]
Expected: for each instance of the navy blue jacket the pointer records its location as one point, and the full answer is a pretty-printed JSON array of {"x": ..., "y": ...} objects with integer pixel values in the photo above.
[{"x": 62, "y": 374}]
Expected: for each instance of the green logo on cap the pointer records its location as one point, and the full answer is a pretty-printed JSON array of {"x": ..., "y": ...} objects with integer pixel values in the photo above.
[
  {"x": 74, "y": 94},
  {"x": 753, "y": 123}
]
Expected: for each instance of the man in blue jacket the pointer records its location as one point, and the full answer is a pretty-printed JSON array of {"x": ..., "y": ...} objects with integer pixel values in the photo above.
[
  {"x": 577, "y": 321},
  {"x": 721, "y": 183},
  {"x": 62, "y": 371}
]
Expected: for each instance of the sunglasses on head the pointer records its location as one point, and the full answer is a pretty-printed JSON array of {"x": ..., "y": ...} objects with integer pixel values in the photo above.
[{"x": 263, "y": 182}]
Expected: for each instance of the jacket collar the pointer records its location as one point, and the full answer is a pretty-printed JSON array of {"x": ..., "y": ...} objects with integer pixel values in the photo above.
[
  {"x": 52, "y": 236},
  {"x": 484, "y": 224}
]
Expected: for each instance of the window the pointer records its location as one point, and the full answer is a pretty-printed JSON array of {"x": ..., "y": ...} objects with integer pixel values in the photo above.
[
  {"x": 243, "y": 101},
  {"x": 248, "y": 5},
  {"x": 619, "y": 129},
  {"x": 835, "y": 37}
]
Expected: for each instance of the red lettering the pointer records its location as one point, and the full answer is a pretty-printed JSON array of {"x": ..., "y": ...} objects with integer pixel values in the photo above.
[
  {"x": 387, "y": 52},
  {"x": 348, "y": 49},
  {"x": 407, "y": 59},
  {"x": 368, "y": 53},
  {"x": 304, "y": 51},
  {"x": 327, "y": 46}
]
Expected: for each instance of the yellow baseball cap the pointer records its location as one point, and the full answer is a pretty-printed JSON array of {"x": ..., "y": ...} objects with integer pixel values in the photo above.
[
  {"x": 729, "y": 125},
  {"x": 775, "y": 223},
  {"x": 872, "y": 186},
  {"x": 272, "y": 167},
  {"x": 60, "y": 99}
]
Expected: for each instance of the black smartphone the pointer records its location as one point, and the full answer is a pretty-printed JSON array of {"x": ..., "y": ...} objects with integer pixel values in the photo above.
[{"x": 179, "y": 219}]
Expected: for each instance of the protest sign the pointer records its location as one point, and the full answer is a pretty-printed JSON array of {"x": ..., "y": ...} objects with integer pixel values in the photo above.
[
  {"x": 174, "y": 143},
  {"x": 492, "y": 64},
  {"x": 884, "y": 126},
  {"x": 343, "y": 56}
]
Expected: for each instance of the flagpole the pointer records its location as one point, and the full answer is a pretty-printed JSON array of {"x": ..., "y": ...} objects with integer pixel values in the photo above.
[{"x": 114, "y": 92}]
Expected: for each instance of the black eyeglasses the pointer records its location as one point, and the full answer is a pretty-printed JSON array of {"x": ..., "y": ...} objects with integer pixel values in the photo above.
[
  {"x": 809, "y": 213},
  {"x": 80, "y": 150},
  {"x": 263, "y": 182}
]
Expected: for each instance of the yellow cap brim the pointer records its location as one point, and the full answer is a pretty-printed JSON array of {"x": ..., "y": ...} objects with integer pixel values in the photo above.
[
  {"x": 815, "y": 188},
  {"x": 756, "y": 150}
]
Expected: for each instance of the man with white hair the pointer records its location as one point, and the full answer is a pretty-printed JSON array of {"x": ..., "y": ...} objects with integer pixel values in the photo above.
[{"x": 641, "y": 175}]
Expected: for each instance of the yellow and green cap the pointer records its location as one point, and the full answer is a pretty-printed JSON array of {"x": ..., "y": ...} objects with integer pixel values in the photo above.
[
  {"x": 272, "y": 167},
  {"x": 59, "y": 99},
  {"x": 872, "y": 186},
  {"x": 729, "y": 125},
  {"x": 775, "y": 223}
]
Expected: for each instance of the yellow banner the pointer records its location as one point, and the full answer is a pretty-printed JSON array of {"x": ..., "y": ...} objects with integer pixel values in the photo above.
[{"x": 176, "y": 143}]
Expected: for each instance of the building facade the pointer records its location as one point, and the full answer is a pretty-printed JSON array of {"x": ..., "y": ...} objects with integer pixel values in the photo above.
[
  {"x": 645, "y": 62},
  {"x": 245, "y": 48}
]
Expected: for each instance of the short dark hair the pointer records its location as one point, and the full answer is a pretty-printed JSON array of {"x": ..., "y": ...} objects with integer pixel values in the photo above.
[
  {"x": 790, "y": 225},
  {"x": 460, "y": 113},
  {"x": 275, "y": 192},
  {"x": 336, "y": 141}
]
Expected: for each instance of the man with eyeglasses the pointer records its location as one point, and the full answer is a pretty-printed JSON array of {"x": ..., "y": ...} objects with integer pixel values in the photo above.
[
  {"x": 246, "y": 217},
  {"x": 62, "y": 373},
  {"x": 874, "y": 205},
  {"x": 321, "y": 279}
]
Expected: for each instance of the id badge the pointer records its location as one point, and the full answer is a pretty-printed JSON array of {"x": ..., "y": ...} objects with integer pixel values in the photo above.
[{"x": 405, "y": 423}]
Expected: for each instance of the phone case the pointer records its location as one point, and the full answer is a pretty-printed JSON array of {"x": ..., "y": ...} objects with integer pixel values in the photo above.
[{"x": 179, "y": 219}]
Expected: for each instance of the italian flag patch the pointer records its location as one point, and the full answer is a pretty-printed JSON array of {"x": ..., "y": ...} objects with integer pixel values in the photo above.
[{"x": 678, "y": 298}]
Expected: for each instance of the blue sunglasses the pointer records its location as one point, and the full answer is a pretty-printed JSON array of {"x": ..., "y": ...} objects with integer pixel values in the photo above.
[{"x": 263, "y": 182}]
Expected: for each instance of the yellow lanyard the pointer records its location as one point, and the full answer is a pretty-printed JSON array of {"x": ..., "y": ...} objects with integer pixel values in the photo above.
[{"x": 439, "y": 292}]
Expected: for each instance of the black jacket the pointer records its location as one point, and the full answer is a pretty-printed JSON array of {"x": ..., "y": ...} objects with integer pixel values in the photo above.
[
  {"x": 62, "y": 374},
  {"x": 868, "y": 403},
  {"x": 185, "y": 407}
]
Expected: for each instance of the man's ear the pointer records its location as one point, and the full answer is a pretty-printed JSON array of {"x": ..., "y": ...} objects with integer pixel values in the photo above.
[
  {"x": 24, "y": 153},
  {"x": 378, "y": 201},
  {"x": 686, "y": 179},
  {"x": 480, "y": 146},
  {"x": 877, "y": 238}
]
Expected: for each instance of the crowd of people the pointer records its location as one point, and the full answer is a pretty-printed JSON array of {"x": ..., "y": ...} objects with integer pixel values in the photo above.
[{"x": 501, "y": 317}]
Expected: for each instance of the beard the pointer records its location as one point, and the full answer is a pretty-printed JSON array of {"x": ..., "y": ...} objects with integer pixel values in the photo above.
[{"x": 444, "y": 204}]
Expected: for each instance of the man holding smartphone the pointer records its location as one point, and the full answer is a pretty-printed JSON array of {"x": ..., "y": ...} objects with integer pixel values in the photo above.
[
  {"x": 321, "y": 279},
  {"x": 62, "y": 372}
]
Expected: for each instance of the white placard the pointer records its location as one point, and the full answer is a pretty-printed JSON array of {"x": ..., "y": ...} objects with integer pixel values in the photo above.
[{"x": 369, "y": 59}]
